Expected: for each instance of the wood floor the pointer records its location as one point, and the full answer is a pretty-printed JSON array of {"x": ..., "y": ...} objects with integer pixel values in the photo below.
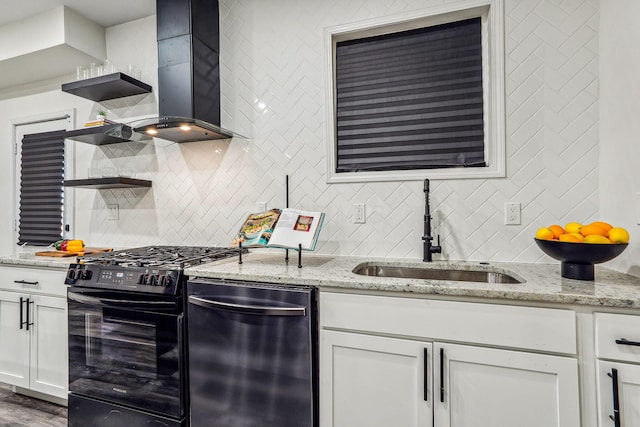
[{"x": 17, "y": 410}]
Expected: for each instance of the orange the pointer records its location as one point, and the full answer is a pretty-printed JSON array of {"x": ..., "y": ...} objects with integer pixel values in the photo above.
[
  {"x": 569, "y": 237},
  {"x": 572, "y": 227},
  {"x": 588, "y": 230},
  {"x": 602, "y": 224},
  {"x": 544, "y": 234},
  {"x": 557, "y": 230},
  {"x": 578, "y": 236},
  {"x": 619, "y": 235},
  {"x": 596, "y": 238}
]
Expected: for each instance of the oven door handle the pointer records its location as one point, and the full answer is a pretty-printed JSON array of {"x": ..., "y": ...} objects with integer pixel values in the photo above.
[
  {"x": 248, "y": 309},
  {"x": 85, "y": 299}
]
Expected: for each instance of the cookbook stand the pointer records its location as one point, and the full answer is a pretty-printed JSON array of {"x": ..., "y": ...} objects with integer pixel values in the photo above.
[
  {"x": 286, "y": 251},
  {"x": 286, "y": 259}
]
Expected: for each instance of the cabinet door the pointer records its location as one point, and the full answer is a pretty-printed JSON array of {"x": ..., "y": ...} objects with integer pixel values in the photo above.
[
  {"x": 627, "y": 394},
  {"x": 49, "y": 349},
  {"x": 14, "y": 342},
  {"x": 374, "y": 381},
  {"x": 499, "y": 388}
]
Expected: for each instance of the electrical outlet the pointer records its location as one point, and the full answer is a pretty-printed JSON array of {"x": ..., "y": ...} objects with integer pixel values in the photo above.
[
  {"x": 113, "y": 211},
  {"x": 262, "y": 206},
  {"x": 359, "y": 214},
  {"x": 512, "y": 213}
]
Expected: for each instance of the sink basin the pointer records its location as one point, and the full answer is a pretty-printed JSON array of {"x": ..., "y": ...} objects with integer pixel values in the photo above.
[{"x": 478, "y": 276}]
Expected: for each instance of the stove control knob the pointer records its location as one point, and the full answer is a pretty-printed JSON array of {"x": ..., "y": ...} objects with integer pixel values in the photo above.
[
  {"x": 168, "y": 282},
  {"x": 162, "y": 280},
  {"x": 153, "y": 280},
  {"x": 86, "y": 275},
  {"x": 140, "y": 278},
  {"x": 70, "y": 274},
  {"x": 77, "y": 274}
]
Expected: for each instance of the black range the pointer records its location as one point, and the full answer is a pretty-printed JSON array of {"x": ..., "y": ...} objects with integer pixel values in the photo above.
[{"x": 127, "y": 335}]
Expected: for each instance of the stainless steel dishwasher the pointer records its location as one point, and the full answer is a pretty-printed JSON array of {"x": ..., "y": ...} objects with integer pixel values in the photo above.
[{"x": 252, "y": 354}]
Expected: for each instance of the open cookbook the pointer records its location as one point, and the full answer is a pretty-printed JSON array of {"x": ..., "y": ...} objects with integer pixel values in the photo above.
[{"x": 286, "y": 228}]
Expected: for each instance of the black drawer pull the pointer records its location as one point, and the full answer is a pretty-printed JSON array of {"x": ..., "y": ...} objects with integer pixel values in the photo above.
[
  {"x": 24, "y": 282},
  {"x": 624, "y": 341}
]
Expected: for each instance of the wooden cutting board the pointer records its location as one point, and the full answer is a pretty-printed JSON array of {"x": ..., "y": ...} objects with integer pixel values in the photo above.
[
  {"x": 58, "y": 254},
  {"x": 85, "y": 251}
]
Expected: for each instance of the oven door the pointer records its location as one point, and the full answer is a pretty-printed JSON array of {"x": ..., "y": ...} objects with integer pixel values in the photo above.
[{"x": 127, "y": 348}]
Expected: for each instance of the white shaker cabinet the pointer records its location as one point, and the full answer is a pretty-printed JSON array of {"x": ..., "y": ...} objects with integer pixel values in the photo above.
[
  {"x": 375, "y": 381},
  {"x": 33, "y": 330},
  {"x": 486, "y": 364},
  {"x": 617, "y": 344},
  {"x": 14, "y": 340},
  {"x": 478, "y": 386}
]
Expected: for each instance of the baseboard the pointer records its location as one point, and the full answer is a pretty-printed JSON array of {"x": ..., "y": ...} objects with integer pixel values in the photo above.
[{"x": 53, "y": 399}]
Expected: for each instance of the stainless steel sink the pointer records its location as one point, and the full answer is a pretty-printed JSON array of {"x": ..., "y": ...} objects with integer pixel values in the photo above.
[{"x": 478, "y": 276}]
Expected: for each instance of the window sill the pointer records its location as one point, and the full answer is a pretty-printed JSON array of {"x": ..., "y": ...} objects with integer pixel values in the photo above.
[{"x": 416, "y": 175}]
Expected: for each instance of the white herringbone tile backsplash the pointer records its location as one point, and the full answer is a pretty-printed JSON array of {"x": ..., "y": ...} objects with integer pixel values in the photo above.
[{"x": 272, "y": 78}]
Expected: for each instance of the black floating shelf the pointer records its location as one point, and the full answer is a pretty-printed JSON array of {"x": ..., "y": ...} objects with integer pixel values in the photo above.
[
  {"x": 107, "y": 182},
  {"x": 101, "y": 135},
  {"x": 109, "y": 86}
]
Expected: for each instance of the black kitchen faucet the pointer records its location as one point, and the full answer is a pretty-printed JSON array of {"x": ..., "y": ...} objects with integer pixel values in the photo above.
[{"x": 428, "y": 248}]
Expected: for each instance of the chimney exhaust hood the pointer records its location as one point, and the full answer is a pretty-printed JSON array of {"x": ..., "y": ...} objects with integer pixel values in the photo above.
[
  {"x": 188, "y": 72},
  {"x": 182, "y": 129}
]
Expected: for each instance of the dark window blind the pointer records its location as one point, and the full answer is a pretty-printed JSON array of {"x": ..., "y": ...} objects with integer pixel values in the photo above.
[
  {"x": 41, "y": 188},
  {"x": 411, "y": 100}
]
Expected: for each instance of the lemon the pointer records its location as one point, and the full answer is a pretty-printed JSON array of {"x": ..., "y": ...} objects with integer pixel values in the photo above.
[
  {"x": 544, "y": 234},
  {"x": 570, "y": 237},
  {"x": 596, "y": 238},
  {"x": 619, "y": 235},
  {"x": 573, "y": 227}
]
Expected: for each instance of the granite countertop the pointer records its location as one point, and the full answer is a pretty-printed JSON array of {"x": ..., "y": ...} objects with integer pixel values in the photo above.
[
  {"x": 541, "y": 282},
  {"x": 32, "y": 260}
]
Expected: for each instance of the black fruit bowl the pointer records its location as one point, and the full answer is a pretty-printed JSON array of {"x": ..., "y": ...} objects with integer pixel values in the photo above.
[{"x": 577, "y": 259}]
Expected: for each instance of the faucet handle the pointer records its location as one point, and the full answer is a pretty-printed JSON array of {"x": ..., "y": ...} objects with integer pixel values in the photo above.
[{"x": 436, "y": 249}]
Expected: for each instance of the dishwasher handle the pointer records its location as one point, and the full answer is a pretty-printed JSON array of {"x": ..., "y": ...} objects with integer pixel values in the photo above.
[{"x": 248, "y": 309}]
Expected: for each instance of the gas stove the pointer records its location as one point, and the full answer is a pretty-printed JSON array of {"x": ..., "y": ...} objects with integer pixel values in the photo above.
[{"x": 149, "y": 269}]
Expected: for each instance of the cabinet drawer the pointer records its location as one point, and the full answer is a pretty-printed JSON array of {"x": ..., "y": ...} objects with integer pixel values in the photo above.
[
  {"x": 33, "y": 280},
  {"x": 610, "y": 328},
  {"x": 544, "y": 329}
]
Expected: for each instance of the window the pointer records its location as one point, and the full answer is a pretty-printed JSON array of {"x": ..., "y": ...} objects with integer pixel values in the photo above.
[
  {"x": 41, "y": 188},
  {"x": 420, "y": 97}
]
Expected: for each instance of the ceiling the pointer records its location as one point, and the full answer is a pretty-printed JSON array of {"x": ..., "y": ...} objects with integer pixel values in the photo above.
[{"x": 105, "y": 13}]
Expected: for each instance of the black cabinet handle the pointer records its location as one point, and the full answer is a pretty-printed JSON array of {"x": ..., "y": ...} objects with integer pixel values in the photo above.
[
  {"x": 28, "y": 322},
  {"x": 426, "y": 375},
  {"x": 24, "y": 282},
  {"x": 624, "y": 341},
  {"x": 21, "y": 312},
  {"x": 442, "y": 375},
  {"x": 616, "y": 397}
]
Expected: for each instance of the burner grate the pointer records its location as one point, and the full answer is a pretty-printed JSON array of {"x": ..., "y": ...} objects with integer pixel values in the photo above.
[{"x": 169, "y": 257}]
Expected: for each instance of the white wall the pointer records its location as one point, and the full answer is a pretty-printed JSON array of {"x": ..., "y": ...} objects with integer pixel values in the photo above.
[
  {"x": 272, "y": 54},
  {"x": 620, "y": 123}
]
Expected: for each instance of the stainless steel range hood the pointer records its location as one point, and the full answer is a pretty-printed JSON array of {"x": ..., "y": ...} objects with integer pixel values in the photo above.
[{"x": 188, "y": 72}]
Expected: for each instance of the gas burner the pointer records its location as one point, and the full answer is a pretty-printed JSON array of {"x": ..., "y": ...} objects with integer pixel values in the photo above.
[
  {"x": 172, "y": 257},
  {"x": 149, "y": 269}
]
